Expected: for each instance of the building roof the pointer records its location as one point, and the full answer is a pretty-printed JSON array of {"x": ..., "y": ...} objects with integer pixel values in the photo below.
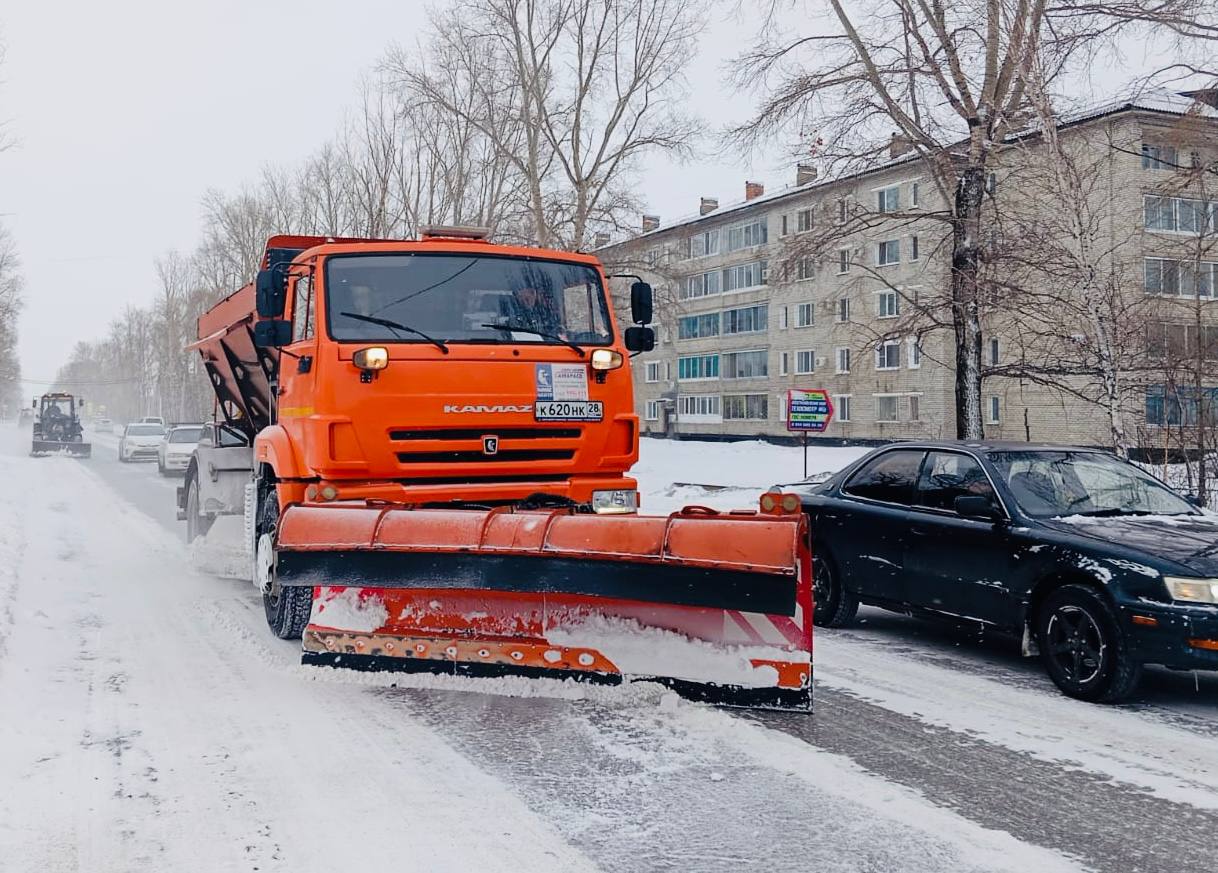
[{"x": 1159, "y": 100}]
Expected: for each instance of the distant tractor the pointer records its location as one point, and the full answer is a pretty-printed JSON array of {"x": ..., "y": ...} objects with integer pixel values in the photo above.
[{"x": 57, "y": 428}]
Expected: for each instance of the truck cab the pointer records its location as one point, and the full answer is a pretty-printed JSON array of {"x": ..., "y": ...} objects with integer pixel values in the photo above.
[{"x": 447, "y": 370}]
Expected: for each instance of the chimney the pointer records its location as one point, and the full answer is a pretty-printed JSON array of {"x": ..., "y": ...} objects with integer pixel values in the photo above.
[
  {"x": 805, "y": 173},
  {"x": 650, "y": 223},
  {"x": 899, "y": 145},
  {"x": 709, "y": 204},
  {"x": 602, "y": 240},
  {"x": 753, "y": 190}
]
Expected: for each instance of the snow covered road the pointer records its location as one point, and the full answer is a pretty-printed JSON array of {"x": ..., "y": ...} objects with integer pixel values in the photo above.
[{"x": 151, "y": 723}]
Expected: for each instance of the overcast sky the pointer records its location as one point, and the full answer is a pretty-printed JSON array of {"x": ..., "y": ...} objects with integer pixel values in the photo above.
[{"x": 127, "y": 111}]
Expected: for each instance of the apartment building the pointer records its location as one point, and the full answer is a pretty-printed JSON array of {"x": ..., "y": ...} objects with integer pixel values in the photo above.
[{"x": 816, "y": 285}]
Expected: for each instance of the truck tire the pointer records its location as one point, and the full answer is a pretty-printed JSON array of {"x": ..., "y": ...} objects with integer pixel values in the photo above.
[
  {"x": 287, "y": 609},
  {"x": 1083, "y": 648},
  {"x": 197, "y": 523},
  {"x": 832, "y": 604}
]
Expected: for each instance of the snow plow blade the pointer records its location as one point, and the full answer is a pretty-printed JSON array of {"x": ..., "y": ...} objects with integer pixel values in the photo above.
[
  {"x": 716, "y": 606},
  {"x": 57, "y": 447}
]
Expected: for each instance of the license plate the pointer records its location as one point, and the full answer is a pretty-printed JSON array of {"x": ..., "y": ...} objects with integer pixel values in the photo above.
[{"x": 568, "y": 410}]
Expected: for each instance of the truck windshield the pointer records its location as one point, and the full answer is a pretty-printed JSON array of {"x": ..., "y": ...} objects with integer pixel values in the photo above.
[{"x": 465, "y": 298}]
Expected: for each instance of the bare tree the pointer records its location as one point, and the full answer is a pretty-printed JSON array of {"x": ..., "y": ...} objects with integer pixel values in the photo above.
[
  {"x": 573, "y": 92},
  {"x": 10, "y": 308},
  {"x": 954, "y": 80}
]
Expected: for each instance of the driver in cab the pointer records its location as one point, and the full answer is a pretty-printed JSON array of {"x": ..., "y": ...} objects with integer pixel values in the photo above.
[{"x": 531, "y": 308}]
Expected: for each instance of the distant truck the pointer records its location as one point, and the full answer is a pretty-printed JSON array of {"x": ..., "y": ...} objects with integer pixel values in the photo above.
[{"x": 57, "y": 429}]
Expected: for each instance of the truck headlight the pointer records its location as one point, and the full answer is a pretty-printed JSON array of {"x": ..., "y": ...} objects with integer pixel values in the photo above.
[
  {"x": 615, "y": 502},
  {"x": 606, "y": 359},
  {"x": 1192, "y": 590}
]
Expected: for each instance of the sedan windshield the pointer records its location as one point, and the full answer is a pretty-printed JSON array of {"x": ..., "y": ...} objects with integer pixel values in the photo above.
[
  {"x": 464, "y": 298},
  {"x": 145, "y": 430},
  {"x": 1054, "y": 484}
]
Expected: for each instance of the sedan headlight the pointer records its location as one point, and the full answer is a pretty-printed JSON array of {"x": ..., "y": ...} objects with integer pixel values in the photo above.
[
  {"x": 615, "y": 502},
  {"x": 1192, "y": 590}
]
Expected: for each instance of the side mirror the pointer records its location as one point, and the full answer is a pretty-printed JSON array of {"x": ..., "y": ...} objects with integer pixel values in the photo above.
[
  {"x": 640, "y": 339},
  {"x": 272, "y": 334},
  {"x": 34, "y": 405},
  {"x": 976, "y": 506},
  {"x": 270, "y": 293},
  {"x": 1194, "y": 500},
  {"x": 640, "y": 303}
]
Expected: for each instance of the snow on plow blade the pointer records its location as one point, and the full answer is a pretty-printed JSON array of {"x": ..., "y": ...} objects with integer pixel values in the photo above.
[
  {"x": 58, "y": 447},
  {"x": 716, "y": 606}
]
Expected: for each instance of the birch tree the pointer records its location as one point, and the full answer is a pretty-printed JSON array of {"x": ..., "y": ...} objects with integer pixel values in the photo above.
[{"x": 953, "y": 81}]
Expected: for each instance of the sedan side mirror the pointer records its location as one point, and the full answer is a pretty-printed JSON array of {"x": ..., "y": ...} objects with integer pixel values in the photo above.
[{"x": 978, "y": 506}]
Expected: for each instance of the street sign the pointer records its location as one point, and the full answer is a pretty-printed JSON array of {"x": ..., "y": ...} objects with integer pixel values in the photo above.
[{"x": 809, "y": 411}]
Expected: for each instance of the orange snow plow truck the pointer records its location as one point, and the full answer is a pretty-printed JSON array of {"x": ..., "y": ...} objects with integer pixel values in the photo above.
[{"x": 438, "y": 435}]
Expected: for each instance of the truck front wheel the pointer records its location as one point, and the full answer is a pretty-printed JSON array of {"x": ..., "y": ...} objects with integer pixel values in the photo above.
[{"x": 287, "y": 609}]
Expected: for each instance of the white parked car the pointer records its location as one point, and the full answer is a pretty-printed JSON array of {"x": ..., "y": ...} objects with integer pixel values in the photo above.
[
  {"x": 103, "y": 425},
  {"x": 173, "y": 454},
  {"x": 140, "y": 442},
  {"x": 152, "y": 419}
]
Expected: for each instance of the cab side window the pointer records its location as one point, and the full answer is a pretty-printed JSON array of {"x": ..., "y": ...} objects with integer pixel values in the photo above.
[
  {"x": 303, "y": 315},
  {"x": 948, "y": 475},
  {"x": 888, "y": 478}
]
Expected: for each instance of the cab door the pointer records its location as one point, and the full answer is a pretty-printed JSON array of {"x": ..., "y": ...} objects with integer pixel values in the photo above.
[{"x": 298, "y": 364}]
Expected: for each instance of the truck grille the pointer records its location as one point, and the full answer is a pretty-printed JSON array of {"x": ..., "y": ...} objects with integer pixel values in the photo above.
[
  {"x": 475, "y": 433},
  {"x": 478, "y": 457}
]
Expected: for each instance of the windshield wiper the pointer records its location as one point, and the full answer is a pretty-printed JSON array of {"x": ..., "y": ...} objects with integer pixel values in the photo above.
[
  {"x": 1111, "y": 513},
  {"x": 524, "y": 328},
  {"x": 393, "y": 325}
]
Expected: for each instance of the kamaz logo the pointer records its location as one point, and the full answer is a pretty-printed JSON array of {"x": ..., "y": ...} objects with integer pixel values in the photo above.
[{"x": 453, "y": 408}]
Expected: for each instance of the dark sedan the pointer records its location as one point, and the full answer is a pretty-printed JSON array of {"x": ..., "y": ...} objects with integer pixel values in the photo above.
[{"x": 1099, "y": 566}]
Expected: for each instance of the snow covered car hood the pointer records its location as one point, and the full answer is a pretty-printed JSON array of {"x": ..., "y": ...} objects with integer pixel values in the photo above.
[
  {"x": 1191, "y": 541},
  {"x": 142, "y": 440},
  {"x": 179, "y": 448}
]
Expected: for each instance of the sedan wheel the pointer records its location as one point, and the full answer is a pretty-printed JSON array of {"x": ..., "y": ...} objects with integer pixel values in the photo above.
[
  {"x": 833, "y": 605},
  {"x": 1083, "y": 647}
]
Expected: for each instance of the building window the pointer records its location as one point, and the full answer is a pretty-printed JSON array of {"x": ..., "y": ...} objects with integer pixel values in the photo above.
[
  {"x": 915, "y": 353},
  {"x": 885, "y": 407},
  {"x": 700, "y": 285},
  {"x": 843, "y": 359},
  {"x": 805, "y": 362},
  {"x": 743, "y": 236},
  {"x": 805, "y": 315},
  {"x": 745, "y": 407},
  {"x": 784, "y": 222},
  {"x": 803, "y": 268},
  {"x": 750, "y": 275},
  {"x": 653, "y": 371},
  {"x": 782, "y": 318},
  {"x": 994, "y": 407},
  {"x": 993, "y": 351},
  {"x": 1179, "y": 214},
  {"x": 1176, "y": 342},
  {"x": 782, "y": 407},
  {"x": 913, "y": 248},
  {"x": 1158, "y": 157},
  {"x": 703, "y": 244},
  {"x": 693, "y": 367},
  {"x": 888, "y": 252},
  {"x": 803, "y": 220},
  {"x": 697, "y": 326},
  {"x": 888, "y": 355},
  {"x": 888, "y": 304},
  {"x": 1180, "y": 406},
  {"x": 746, "y": 365},
  {"x": 841, "y": 407},
  {"x": 668, "y": 370},
  {"x": 841, "y": 211},
  {"x": 653, "y": 410},
  {"x": 888, "y": 199},
  {"x": 843, "y": 261},
  {"x": 915, "y": 407},
  {"x": 748, "y": 319},
  {"x": 784, "y": 364},
  {"x": 913, "y": 194},
  {"x": 1171, "y": 278},
  {"x": 653, "y": 257},
  {"x": 843, "y": 310},
  {"x": 698, "y": 408}
]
